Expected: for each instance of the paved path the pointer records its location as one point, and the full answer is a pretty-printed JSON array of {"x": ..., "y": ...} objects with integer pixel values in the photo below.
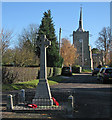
[
  {"x": 84, "y": 80},
  {"x": 92, "y": 99}
]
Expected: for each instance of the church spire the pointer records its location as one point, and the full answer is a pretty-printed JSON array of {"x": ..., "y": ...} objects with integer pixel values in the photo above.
[{"x": 80, "y": 21}]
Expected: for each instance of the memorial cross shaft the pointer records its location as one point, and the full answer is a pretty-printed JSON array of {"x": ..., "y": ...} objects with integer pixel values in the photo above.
[
  {"x": 43, "y": 70},
  {"x": 43, "y": 94}
]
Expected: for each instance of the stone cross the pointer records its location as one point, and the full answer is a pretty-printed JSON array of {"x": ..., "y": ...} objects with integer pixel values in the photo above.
[
  {"x": 44, "y": 44},
  {"x": 43, "y": 94}
]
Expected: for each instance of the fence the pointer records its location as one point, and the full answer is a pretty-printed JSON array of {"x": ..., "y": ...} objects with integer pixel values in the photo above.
[
  {"x": 60, "y": 96},
  {"x": 65, "y": 105}
]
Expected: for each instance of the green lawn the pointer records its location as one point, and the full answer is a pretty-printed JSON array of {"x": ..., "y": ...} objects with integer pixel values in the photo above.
[
  {"x": 86, "y": 70},
  {"x": 57, "y": 79},
  {"x": 31, "y": 84},
  {"x": 24, "y": 85}
]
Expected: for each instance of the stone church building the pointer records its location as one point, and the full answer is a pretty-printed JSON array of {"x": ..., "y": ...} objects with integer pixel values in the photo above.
[{"x": 81, "y": 43}]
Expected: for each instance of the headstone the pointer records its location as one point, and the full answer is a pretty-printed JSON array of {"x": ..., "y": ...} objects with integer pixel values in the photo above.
[
  {"x": 9, "y": 102},
  {"x": 22, "y": 95},
  {"x": 43, "y": 94}
]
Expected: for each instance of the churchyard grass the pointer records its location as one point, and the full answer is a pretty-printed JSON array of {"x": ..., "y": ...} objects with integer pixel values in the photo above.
[
  {"x": 57, "y": 79},
  {"x": 24, "y": 85},
  {"x": 86, "y": 70}
]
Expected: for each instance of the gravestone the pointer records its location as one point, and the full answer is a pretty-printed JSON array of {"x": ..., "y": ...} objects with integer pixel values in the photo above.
[
  {"x": 22, "y": 96},
  {"x": 43, "y": 94}
]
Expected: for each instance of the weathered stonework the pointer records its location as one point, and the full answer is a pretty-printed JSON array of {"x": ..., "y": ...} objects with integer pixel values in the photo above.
[
  {"x": 43, "y": 94},
  {"x": 81, "y": 43}
]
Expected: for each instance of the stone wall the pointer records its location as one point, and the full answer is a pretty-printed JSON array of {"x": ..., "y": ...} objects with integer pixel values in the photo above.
[{"x": 81, "y": 43}]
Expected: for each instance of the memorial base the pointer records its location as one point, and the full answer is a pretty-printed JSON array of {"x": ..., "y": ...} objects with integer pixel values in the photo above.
[
  {"x": 43, "y": 94},
  {"x": 42, "y": 102}
]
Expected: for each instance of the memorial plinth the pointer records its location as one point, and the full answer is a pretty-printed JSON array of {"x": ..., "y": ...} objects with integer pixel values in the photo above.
[{"x": 43, "y": 94}]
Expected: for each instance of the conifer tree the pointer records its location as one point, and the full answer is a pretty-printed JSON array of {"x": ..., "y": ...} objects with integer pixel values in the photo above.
[{"x": 47, "y": 28}]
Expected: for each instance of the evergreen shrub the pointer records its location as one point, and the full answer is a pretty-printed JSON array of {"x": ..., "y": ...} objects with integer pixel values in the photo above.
[{"x": 76, "y": 69}]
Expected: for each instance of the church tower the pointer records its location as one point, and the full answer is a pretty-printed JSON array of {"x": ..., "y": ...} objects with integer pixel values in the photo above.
[{"x": 81, "y": 43}]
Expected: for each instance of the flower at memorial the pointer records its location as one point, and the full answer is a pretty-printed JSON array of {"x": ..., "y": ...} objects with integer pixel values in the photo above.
[
  {"x": 31, "y": 105},
  {"x": 54, "y": 100}
]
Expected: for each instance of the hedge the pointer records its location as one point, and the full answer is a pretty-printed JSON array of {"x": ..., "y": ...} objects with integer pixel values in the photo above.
[
  {"x": 76, "y": 69},
  {"x": 49, "y": 71},
  {"x": 21, "y": 74},
  {"x": 57, "y": 71},
  {"x": 18, "y": 74}
]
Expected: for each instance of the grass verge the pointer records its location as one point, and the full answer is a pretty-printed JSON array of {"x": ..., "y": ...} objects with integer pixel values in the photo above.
[
  {"x": 24, "y": 85},
  {"x": 58, "y": 79},
  {"x": 86, "y": 71}
]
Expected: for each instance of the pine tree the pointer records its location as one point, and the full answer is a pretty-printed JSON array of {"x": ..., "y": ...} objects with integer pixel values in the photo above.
[{"x": 47, "y": 28}]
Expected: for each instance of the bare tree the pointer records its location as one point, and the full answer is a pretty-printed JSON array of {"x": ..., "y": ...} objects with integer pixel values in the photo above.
[
  {"x": 104, "y": 41},
  {"x": 27, "y": 43},
  {"x": 6, "y": 36},
  {"x": 29, "y": 34},
  {"x": 23, "y": 57}
]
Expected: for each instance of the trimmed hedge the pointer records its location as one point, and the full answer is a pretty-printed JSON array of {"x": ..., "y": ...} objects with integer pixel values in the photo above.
[
  {"x": 22, "y": 74},
  {"x": 18, "y": 74},
  {"x": 76, "y": 69},
  {"x": 49, "y": 71},
  {"x": 57, "y": 71}
]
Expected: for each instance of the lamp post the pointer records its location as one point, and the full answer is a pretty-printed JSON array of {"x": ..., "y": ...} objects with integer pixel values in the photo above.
[{"x": 59, "y": 40}]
